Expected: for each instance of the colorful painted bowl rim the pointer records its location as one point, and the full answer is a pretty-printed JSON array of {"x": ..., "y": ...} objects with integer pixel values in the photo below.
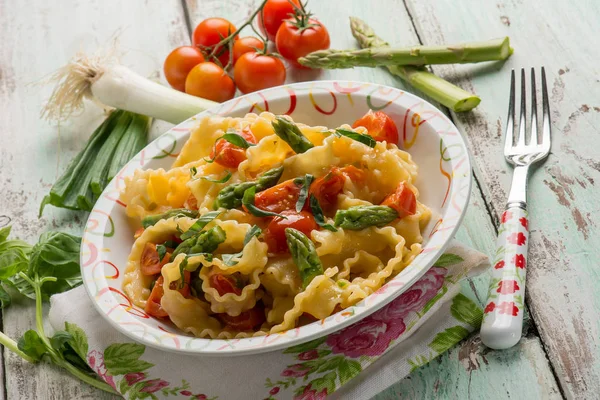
[{"x": 459, "y": 176}]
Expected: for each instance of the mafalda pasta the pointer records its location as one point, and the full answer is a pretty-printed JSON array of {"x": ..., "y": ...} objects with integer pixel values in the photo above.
[{"x": 264, "y": 224}]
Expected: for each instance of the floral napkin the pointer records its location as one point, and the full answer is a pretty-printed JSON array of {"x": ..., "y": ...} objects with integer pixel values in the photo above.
[{"x": 357, "y": 362}]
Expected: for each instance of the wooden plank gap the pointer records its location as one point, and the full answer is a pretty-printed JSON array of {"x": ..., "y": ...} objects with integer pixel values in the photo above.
[{"x": 186, "y": 16}]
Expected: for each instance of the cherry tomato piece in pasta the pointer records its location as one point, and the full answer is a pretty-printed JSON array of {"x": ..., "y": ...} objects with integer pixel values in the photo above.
[
  {"x": 228, "y": 154},
  {"x": 225, "y": 284},
  {"x": 246, "y": 321},
  {"x": 278, "y": 198},
  {"x": 379, "y": 125},
  {"x": 150, "y": 262},
  {"x": 274, "y": 235},
  {"x": 403, "y": 200}
]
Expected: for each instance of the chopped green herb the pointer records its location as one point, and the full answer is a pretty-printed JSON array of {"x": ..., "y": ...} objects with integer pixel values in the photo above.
[
  {"x": 162, "y": 250},
  {"x": 222, "y": 180},
  {"x": 359, "y": 137},
  {"x": 228, "y": 259},
  {"x": 315, "y": 207},
  {"x": 248, "y": 202},
  {"x": 308, "y": 178},
  {"x": 237, "y": 140},
  {"x": 200, "y": 224},
  {"x": 193, "y": 171}
]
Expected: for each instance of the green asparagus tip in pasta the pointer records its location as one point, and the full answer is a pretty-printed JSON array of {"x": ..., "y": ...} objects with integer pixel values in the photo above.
[
  {"x": 231, "y": 196},
  {"x": 291, "y": 134},
  {"x": 304, "y": 255},
  {"x": 202, "y": 242},
  {"x": 176, "y": 212},
  {"x": 361, "y": 217}
]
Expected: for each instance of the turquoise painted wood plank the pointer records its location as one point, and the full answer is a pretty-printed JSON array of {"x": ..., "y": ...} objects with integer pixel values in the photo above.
[
  {"x": 43, "y": 37},
  {"x": 563, "y": 280}
]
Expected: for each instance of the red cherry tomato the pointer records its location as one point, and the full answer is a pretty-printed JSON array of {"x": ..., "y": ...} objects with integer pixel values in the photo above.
[
  {"x": 210, "y": 32},
  {"x": 179, "y": 63},
  {"x": 138, "y": 233},
  {"x": 279, "y": 198},
  {"x": 275, "y": 233},
  {"x": 273, "y": 14},
  {"x": 225, "y": 284},
  {"x": 293, "y": 43},
  {"x": 209, "y": 81},
  {"x": 246, "y": 321},
  {"x": 327, "y": 188},
  {"x": 153, "y": 306},
  {"x": 402, "y": 200},
  {"x": 248, "y": 44},
  {"x": 379, "y": 125},
  {"x": 150, "y": 263},
  {"x": 255, "y": 71},
  {"x": 191, "y": 203},
  {"x": 230, "y": 155}
]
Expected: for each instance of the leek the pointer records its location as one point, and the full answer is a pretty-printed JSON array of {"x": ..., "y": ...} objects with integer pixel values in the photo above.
[
  {"x": 101, "y": 78},
  {"x": 121, "y": 136}
]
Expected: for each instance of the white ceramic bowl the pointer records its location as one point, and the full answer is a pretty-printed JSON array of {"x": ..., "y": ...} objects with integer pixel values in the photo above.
[{"x": 444, "y": 184}]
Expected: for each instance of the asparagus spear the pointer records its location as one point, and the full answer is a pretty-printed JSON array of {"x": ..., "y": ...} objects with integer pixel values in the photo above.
[
  {"x": 304, "y": 255},
  {"x": 203, "y": 242},
  {"x": 290, "y": 133},
  {"x": 472, "y": 52},
  {"x": 437, "y": 88},
  {"x": 231, "y": 196},
  {"x": 360, "y": 217},
  {"x": 153, "y": 219}
]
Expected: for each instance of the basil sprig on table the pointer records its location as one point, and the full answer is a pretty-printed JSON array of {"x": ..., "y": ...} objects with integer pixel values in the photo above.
[
  {"x": 231, "y": 196},
  {"x": 176, "y": 212},
  {"x": 304, "y": 255},
  {"x": 49, "y": 267},
  {"x": 361, "y": 217},
  {"x": 291, "y": 134},
  {"x": 359, "y": 137}
]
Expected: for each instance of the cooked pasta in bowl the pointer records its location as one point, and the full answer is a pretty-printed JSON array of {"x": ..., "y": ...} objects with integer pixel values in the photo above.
[{"x": 277, "y": 218}]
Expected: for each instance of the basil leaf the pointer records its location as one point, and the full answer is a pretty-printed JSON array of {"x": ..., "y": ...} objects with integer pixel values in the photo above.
[
  {"x": 193, "y": 171},
  {"x": 184, "y": 263},
  {"x": 56, "y": 255},
  {"x": 4, "y": 232},
  {"x": 248, "y": 202},
  {"x": 359, "y": 137},
  {"x": 237, "y": 140},
  {"x": 308, "y": 178},
  {"x": 5, "y": 299},
  {"x": 200, "y": 224},
  {"x": 315, "y": 207},
  {"x": 162, "y": 250},
  {"x": 171, "y": 244},
  {"x": 31, "y": 344},
  {"x": 228, "y": 259},
  {"x": 222, "y": 180},
  {"x": 252, "y": 232}
]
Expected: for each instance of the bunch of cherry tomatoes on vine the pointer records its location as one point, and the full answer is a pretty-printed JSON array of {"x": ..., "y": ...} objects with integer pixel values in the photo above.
[{"x": 219, "y": 60}]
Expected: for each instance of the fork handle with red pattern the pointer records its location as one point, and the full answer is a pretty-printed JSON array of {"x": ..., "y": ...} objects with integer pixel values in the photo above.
[{"x": 503, "y": 314}]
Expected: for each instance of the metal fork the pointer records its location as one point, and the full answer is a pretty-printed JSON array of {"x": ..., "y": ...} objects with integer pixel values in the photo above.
[{"x": 503, "y": 313}]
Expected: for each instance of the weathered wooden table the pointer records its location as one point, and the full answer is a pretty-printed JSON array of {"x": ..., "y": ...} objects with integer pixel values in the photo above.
[{"x": 559, "y": 355}]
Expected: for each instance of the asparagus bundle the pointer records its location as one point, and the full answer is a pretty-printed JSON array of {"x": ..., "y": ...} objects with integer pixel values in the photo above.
[
  {"x": 438, "y": 89},
  {"x": 496, "y": 49}
]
